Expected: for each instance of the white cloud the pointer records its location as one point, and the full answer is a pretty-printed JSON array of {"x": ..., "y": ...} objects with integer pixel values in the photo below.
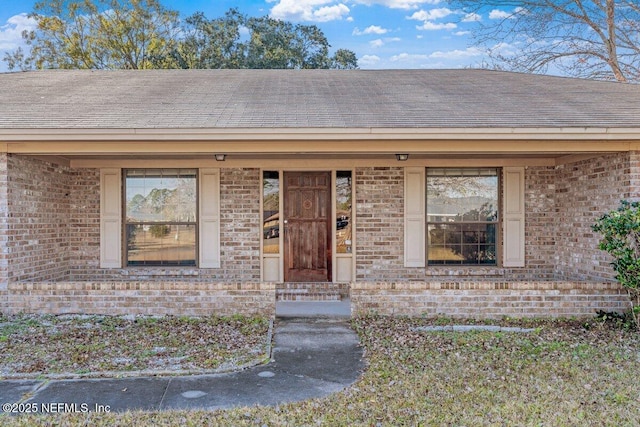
[
  {"x": 462, "y": 33},
  {"x": 330, "y": 13},
  {"x": 499, "y": 14},
  {"x": 433, "y": 26},
  {"x": 472, "y": 17},
  {"x": 432, "y": 14},
  {"x": 457, "y": 54},
  {"x": 11, "y": 32},
  {"x": 429, "y": 16},
  {"x": 381, "y": 42},
  {"x": 368, "y": 60},
  {"x": 309, "y": 10},
  {"x": 408, "y": 57},
  {"x": 372, "y": 29},
  {"x": 503, "y": 14},
  {"x": 399, "y": 4}
]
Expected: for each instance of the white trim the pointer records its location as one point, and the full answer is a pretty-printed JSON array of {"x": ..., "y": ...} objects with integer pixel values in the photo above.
[
  {"x": 286, "y": 134},
  {"x": 335, "y": 277},
  {"x": 334, "y": 229},
  {"x": 268, "y": 258}
]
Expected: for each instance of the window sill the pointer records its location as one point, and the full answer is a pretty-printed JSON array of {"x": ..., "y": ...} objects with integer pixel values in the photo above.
[
  {"x": 160, "y": 272},
  {"x": 464, "y": 271}
]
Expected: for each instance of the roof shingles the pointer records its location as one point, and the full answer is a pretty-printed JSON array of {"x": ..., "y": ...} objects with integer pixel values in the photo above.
[{"x": 173, "y": 99}]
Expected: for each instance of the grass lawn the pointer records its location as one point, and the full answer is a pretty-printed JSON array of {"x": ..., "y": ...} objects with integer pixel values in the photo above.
[{"x": 566, "y": 373}]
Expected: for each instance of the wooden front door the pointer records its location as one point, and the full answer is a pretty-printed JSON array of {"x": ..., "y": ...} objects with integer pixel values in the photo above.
[{"x": 307, "y": 226}]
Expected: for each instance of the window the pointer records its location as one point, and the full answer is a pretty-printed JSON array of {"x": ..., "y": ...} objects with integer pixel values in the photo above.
[
  {"x": 271, "y": 212},
  {"x": 343, "y": 212},
  {"x": 160, "y": 217},
  {"x": 462, "y": 216}
]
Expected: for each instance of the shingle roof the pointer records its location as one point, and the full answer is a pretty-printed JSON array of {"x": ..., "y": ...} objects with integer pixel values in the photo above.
[{"x": 228, "y": 99}]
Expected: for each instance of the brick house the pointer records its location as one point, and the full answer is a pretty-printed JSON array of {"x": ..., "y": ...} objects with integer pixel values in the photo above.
[{"x": 467, "y": 193}]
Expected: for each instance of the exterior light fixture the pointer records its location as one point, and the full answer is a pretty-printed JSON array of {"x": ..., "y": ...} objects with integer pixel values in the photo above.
[
  {"x": 402, "y": 157},
  {"x": 220, "y": 157}
]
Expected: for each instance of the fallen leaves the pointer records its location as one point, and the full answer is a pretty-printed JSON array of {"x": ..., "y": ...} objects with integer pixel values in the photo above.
[
  {"x": 562, "y": 374},
  {"x": 39, "y": 345}
]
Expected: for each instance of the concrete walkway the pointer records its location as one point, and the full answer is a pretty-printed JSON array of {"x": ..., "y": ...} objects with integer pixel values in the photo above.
[{"x": 311, "y": 358}]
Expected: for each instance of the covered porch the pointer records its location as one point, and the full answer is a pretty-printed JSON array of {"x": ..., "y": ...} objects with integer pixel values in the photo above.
[{"x": 466, "y": 193}]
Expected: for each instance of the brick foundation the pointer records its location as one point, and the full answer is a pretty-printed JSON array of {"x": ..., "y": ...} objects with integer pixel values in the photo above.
[
  {"x": 312, "y": 291},
  {"x": 484, "y": 299},
  {"x": 148, "y": 298}
]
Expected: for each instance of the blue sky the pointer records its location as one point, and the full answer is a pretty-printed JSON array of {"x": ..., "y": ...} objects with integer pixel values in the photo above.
[{"x": 382, "y": 33}]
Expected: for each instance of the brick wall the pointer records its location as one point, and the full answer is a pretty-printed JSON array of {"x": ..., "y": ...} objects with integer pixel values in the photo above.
[
  {"x": 54, "y": 251},
  {"x": 380, "y": 230},
  {"x": 52, "y": 234},
  {"x": 4, "y": 225},
  {"x": 84, "y": 223},
  {"x": 540, "y": 221},
  {"x": 239, "y": 233},
  {"x": 38, "y": 200},
  {"x": 240, "y": 224},
  {"x": 380, "y": 225},
  {"x": 584, "y": 191},
  {"x": 4, "y": 234},
  {"x": 488, "y": 299},
  {"x": 561, "y": 204},
  {"x": 148, "y": 298},
  {"x": 54, "y": 227}
]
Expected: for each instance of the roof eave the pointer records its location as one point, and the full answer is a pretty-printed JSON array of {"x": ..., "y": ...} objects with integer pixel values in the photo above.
[{"x": 321, "y": 134}]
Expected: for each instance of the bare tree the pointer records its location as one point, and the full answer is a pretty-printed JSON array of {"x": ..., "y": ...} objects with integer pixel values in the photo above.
[{"x": 597, "y": 39}]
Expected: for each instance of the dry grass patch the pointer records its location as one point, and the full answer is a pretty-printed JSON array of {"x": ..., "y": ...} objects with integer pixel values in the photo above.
[
  {"x": 90, "y": 345},
  {"x": 563, "y": 374}
]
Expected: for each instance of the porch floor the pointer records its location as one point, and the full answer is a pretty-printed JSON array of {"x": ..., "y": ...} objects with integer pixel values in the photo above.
[{"x": 336, "y": 309}]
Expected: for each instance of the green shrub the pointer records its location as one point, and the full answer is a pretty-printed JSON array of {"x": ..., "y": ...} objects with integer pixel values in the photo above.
[{"x": 620, "y": 231}]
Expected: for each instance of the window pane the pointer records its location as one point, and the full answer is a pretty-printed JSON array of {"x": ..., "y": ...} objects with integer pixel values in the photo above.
[
  {"x": 343, "y": 212},
  {"x": 462, "y": 243},
  {"x": 445, "y": 244},
  {"x": 161, "y": 244},
  {"x": 271, "y": 212},
  {"x": 461, "y": 197},
  {"x": 157, "y": 200},
  {"x": 161, "y": 195}
]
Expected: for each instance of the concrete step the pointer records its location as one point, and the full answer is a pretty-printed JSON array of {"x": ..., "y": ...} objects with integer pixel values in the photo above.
[
  {"x": 306, "y": 295},
  {"x": 312, "y": 291}
]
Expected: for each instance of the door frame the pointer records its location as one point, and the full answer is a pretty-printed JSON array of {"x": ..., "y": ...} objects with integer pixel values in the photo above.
[{"x": 278, "y": 260}]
